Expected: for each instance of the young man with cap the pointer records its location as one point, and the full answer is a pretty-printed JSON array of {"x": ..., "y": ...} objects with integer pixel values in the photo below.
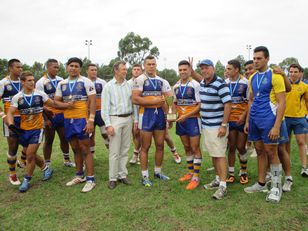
[
  {"x": 54, "y": 123},
  {"x": 215, "y": 112},
  {"x": 79, "y": 120}
]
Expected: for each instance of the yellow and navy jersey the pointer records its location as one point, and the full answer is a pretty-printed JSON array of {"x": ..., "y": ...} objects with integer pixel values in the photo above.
[
  {"x": 295, "y": 100},
  {"x": 99, "y": 86},
  {"x": 76, "y": 90},
  {"x": 151, "y": 88},
  {"x": 264, "y": 87},
  {"x": 30, "y": 108},
  {"x": 239, "y": 91},
  {"x": 187, "y": 96},
  {"x": 8, "y": 89},
  {"x": 49, "y": 86}
]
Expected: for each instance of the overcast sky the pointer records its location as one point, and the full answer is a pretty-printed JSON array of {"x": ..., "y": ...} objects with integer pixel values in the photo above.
[{"x": 35, "y": 30}]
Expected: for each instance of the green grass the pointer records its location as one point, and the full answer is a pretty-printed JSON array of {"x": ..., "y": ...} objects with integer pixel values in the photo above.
[{"x": 166, "y": 206}]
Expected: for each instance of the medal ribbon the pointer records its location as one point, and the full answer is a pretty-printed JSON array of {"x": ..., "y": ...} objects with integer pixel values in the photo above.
[
  {"x": 233, "y": 90},
  {"x": 54, "y": 82}
]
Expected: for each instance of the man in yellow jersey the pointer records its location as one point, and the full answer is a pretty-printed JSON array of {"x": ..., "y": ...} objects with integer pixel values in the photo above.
[
  {"x": 296, "y": 109},
  {"x": 29, "y": 102},
  {"x": 54, "y": 123},
  {"x": 79, "y": 121}
]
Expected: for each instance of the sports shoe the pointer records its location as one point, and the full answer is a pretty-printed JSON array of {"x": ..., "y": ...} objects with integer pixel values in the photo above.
[
  {"x": 161, "y": 176},
  {"x": 274, "y": 195},
  {"x": 287, "y": 185},
  {"x": 24, "y": 186},
  {"x": 69, "y": 164},
  {"x": 213, "y": 185},
  {"x": 256, "y": 188},
  {"x": 88, "y": 186},
  {"x": 146, "y": 182},
  {"x": 230, "y": 179},
  {"x": 21, "y": 164},
  {"x": 14, "y": 180},
  {"x": 177, "y": 158},
  {"x": 268, "y": 178},
  {"x": 186, "y": 177},
  {"x": 47, "y": 174},
  {"x": 304, "y": 172},
  {"x": 244, "y": 179},
  {"x": 134, "y": 159},
  {"x": 220, "y": 193},
  {"x": 76, "y": 180},
  {"x": 138, "y": 160},
  {"x": 194, "y": 183}
]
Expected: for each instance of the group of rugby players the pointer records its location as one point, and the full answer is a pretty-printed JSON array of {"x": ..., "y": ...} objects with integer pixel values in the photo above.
[{"x": 262, "y": 106}]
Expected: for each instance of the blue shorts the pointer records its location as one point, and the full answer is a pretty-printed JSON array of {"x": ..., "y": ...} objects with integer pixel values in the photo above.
[
  {"x": 153, "y": 119},
  {"x": 31, "y": 137},
  {"x": 297, "y": 125},
  {"x": 7, "y": 132},
  {"x": 234, "y": 126},
  {"x": 284, "y": 137},
  {"x": 75, "y": 128},
  {"x": 260, "y": 128},
  {"x": 190, "y": 127},
  {"x": 98, "y": 119},
  {"x": 57, "y": 120}
]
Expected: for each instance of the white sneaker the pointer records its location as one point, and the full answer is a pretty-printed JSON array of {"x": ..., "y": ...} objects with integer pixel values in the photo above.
[
  {"x": 274, "y": 195},
  {"x": 213, "y": 185},
  {"x": 69, "y": 164},
  {"x": 177, "y": 158},
  {"x": 88, "y": 186},
  {"x": 304, "y": 172},
  {"x": 253, "y": 153},
  {"x": 134, "y": 159},
  {"x": 256, "y": 188},
  {"x": 14, "y": 180},
  {"x": 287, "y": 185},
  {"x": 220, "y": 193},
  {"x": 76, "y": 180}
]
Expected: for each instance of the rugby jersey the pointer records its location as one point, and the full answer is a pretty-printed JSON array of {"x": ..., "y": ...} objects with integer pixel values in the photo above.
[
  {"x": 213, "y": 97},
  {"x": 99, "y": 85},
  {"x": 264, "y": 104},
  {"x": 187, "y": 96},
  {"x": 8, "y": 89},
  {"x": 49, "y": 86},
  {"x": 239, "y": 92},
  {"x": 31, "y": 111},
  {"x": 77, "y": 90}
]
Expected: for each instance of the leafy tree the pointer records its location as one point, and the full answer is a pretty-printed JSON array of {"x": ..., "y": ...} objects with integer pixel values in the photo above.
[
  {"x": 133, "y": 48},
  {"x": 306, "y": 73},
  {"x": 62, "y": 71},
  {"x": 106, "y": 71},
  {"x": 85, "y": 63},
  {"x": 37, "y": 69},
  {"x": 242, "y": 61},
  {"x": 3, "y": 67},
  {"x": 220, "y": 69},
  {"x": 285, "y": 64},
  {"x": 170, "y": 75}
]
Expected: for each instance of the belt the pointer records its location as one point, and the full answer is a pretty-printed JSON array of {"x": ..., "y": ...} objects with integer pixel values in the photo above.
[{"x": 123, "y": 115}]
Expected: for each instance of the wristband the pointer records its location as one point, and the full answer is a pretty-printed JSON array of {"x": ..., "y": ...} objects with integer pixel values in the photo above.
[{"x": 90, "y": 119}]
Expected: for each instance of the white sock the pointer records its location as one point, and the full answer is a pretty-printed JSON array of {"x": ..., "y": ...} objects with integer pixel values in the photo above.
[
  {"x": 145, "y": 173},
  {"x": 157, "y": 170},
  {"x": 223, "y": 184}
]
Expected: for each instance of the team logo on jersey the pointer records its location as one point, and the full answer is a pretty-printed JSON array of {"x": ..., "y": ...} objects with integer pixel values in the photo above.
[
  {"x": 189, "y": 91},
  {"x": 98, "y": 87},
  {"x": 79, "y": 87},
  {"x": 264, "y": 81},
  {"x": 64, "y": 87},
  {"x": 90, "y": 89},
  {"x": 147, "y": 83},
  {"x": 48, "y": 86},
  {"x": 9, "y": 87},
  {"x": 37, "y": 99},
  {"x": 21, "y": 101}
]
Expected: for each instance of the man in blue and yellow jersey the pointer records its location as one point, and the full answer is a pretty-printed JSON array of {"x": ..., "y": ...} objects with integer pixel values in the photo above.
[
  {"x": 55, "y": 122},
  {"x": 79, "y": 120},
  {"x": 296, "y": 110},
  {"x": 99, "y": 85},
  {"x": 266, "y": 92},
  {"x": 29, "y": 102},
  {"x": 148, "y": 92},
  {"x": 187, "y": 105},
  {"x": 10, "y": 86}
]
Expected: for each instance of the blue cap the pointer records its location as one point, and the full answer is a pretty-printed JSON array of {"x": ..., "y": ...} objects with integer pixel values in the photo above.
[{"x": 206, "y": 62}]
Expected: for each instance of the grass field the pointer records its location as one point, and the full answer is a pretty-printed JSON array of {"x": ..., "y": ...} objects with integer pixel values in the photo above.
[{"x": 166, "y": 206}]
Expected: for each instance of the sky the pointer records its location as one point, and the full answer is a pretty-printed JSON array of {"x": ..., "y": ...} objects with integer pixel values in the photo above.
[{"x": 35, "y": 30}]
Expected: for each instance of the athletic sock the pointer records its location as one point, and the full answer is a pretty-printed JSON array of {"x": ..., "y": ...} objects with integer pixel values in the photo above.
[
  {"x": 11, "y": 160},
  {"x": 145, "y": 173},
  {"x": 231, "y": 171},
  {"x": 66, "y": 157},
  {"x": 45, "y": 167},
  {"x": 190, "y": 164},
  {"x": 289, "y": 178},
  {"x": 157, "y": 170},
  {"x": 48, "y": 162},
  {"x": 223, "y": 184},
  {"x": 27, "y": 177},
  {"x": 243, "y": 164},
  {"x": 197, "y": 165},
  {"x": 173, "y": 150},
  {"x": 90, "y": 178},
  {"x": 217, "y": 178},
  {"x": 23, "y": 157}
]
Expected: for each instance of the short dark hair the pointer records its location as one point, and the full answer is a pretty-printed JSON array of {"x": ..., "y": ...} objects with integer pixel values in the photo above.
[
  {"x": 248, "y": 62},
  {"x": 91, "y": 65},
  {"x": 262, "y": 49},
  {"x": 12, "y": 61},
  {"x": 137, "y": 65},
  {"x": 50, "y": 61},
  {"x": 149, "y": 57},
  {"x": 295, "y": 65},
  {"x": 74, "y": 60},
  {"x": 25, "y": 74},
  {"x": 117, "y": 64},
  {"x": 184, "y": 62},
  {"x": 235, "y": 63}
]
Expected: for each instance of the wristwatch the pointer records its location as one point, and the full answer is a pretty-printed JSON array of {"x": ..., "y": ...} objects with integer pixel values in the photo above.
[{"x": 224, "y": 125}]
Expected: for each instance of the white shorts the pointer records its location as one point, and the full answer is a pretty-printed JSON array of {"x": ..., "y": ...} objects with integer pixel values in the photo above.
[{"x": 215, "y": 146}]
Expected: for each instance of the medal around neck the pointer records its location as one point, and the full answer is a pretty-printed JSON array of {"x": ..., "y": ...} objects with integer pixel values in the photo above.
[{"x": 170, "y": 116}]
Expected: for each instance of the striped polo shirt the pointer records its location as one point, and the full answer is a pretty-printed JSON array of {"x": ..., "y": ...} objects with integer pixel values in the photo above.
[{"x": 213, "y": 97}]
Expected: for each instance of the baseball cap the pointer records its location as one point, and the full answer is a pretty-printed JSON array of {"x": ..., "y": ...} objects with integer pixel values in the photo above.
[{"x": 206, "y": 62}]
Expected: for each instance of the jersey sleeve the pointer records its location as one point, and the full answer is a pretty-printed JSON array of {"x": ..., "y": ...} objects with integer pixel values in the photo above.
[
  {"x": 40, "y": 84},
  {"x": 90, "y": 89},
  {"x": 58, "y": 90},
  {"x": 197, "y": 91},
  {"x": 138, "y": 83},
  {"x": 44, "y": 96},
  {"x": 166, "y": 86},
  {"x": 278, "y": 84},
  {"x": 14, "y": 102}
]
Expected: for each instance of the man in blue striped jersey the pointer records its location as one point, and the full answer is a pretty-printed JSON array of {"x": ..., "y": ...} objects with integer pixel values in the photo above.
[{"x": 215, "y": 111}]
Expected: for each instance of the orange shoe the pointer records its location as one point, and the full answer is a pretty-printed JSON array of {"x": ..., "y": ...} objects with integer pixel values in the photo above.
[
  {"x": 244, "y": 179},
  {"x": 186, "y": 177},
  {"x": 230, "y": 179},
  {"x": 192, "y": 184}
]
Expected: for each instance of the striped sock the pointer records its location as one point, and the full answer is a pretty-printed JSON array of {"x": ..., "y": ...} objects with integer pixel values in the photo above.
[
  {"x": 23, "y": 157},
  {"x": 197, "y": 165},
  {"x": 11, "y": 160},
  {"x": 243, "y": 164},
  {"x": 173, "y": 150},
  {"x": 66, "y": 157},
  {"x": 90, "y": 178},
  {"x": 231, "y": 171},
  {"x": 190, "y": 164}
]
